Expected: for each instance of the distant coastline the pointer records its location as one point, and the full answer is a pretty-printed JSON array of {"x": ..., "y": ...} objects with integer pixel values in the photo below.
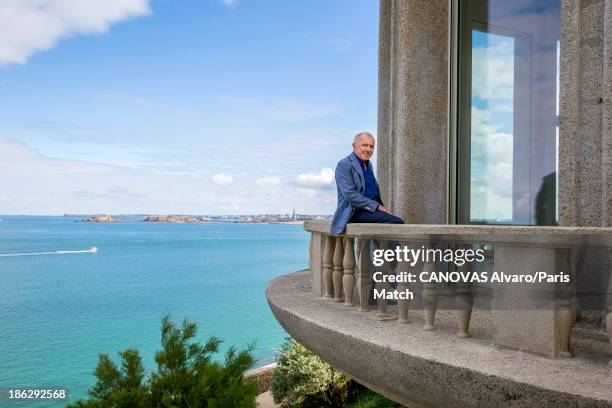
[
  {"x": 176, "y": 219},
  {"x": 198, "y": 219}
]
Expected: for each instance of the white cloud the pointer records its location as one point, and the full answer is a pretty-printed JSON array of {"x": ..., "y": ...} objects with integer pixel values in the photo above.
[
  {"x": 324, "y": 179},
  {"x": 307, "y": 192},
  {"x": 493, "y": 72},
  {"x": 268, "y": 181},
  {"x": 491, "y": 169},
  {"x": 222, "y": 179},
  {"x": 38, "y": 183},
  {"x": 230, "y": 3},
  {"x": 29, "y": 26},
  {"x": 488, "y": 205}
]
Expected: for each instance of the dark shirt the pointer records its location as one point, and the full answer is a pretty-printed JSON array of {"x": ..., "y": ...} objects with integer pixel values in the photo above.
[{"x": 371, "y": 188}]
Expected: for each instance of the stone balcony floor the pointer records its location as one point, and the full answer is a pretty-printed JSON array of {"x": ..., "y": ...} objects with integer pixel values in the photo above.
[{"x": 437, "y": 369}]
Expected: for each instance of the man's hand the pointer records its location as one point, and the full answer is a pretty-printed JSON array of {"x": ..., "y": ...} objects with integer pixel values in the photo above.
[{"x": 383, "y": 209}]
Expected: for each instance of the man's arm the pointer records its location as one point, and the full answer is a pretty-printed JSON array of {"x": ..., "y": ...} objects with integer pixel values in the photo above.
[{"x": 344, "y": 180}]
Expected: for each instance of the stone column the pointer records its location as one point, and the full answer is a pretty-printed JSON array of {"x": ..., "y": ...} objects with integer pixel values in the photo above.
[
  {"x": 566, "y": 315},
  {"x": 348, "y": 279},
  {"x": 606, "y": 131},
  {"x": 338, "y": 269},
  {"x": 464, "y": 301},
  {"x": 430, "y": 293},
  {"x": 385, "y": 268},
  {"x": 585, "y": 114},
  {"x": 365, "y": 280},
  {"x": 317, "y": 242},
  {"x": 328, "y": 266},
  {"x": 609, "y": 306},
  {"x": 403, "y": 305},
  {"x": 413, "y": 109},
  {"x": 357, "y": 255}
]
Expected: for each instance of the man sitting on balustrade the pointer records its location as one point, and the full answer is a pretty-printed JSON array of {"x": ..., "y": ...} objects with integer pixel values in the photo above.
[{"x": 359, "y": 198}]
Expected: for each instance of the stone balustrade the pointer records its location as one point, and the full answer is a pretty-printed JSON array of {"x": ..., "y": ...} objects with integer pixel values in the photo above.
[{"x": 536, "y": 318}]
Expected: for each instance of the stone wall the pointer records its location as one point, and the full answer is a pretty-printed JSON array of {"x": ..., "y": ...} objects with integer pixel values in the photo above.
[{"x": 585, "y": 129}]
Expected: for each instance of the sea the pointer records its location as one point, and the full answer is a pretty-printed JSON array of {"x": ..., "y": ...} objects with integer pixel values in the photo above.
[{"x": 62, "y": 304}]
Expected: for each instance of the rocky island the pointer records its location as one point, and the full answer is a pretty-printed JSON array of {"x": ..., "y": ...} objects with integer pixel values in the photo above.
[{"x": 101, "y": 218}]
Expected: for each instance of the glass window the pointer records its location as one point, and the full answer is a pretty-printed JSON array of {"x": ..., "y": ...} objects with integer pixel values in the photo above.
[{"x": 507, "y": 112}]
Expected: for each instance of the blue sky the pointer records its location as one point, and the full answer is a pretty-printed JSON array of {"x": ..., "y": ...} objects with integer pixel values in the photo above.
[
  {"x": 492, "y": 127},
  {"x": 168, "y": 106}
]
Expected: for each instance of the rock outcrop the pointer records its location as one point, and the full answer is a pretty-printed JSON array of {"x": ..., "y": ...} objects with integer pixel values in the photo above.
[{"x": 101, "y": 218}]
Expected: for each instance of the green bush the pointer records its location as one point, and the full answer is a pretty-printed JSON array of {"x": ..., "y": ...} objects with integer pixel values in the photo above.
[
  {"x": 186, "y": 376},
  {"x": 369, "y": 399},
  {"x": 302, "y": 379}
]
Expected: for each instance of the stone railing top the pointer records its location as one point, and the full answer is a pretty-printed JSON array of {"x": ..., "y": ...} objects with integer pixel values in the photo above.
[{"x": 514, "y": 234}]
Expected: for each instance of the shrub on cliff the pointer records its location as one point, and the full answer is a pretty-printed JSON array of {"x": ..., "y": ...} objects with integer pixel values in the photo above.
[
  {"x": 186, "y": 375},
  {"x": 303, "y": 379},
  {"x": 369, "y": 399}
]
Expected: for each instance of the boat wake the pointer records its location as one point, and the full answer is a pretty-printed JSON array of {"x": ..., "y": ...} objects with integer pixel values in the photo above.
[{"x": 91, "y": 250}]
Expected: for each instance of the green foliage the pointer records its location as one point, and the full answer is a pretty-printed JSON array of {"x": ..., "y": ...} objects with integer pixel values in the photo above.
[
  {"x": 186, "y": 376},
  {"x": 370, "y": 399},
  {"x": 303, "y": 379}
]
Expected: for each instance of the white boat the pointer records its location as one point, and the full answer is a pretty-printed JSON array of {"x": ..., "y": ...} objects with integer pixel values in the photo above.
[{"x": 93, "y": 249}]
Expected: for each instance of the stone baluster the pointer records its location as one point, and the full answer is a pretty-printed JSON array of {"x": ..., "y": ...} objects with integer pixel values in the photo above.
[
  {"x": 364, "y": 282},
  {"x": 357, "y": 257},
  {"x": 609, "y": 315},
  {"x": 348, "y": 279},
  {"x": 403, "y": 305},
  {"x": 430, "y": 293},
  {"x": 385, "y": 268},
  {"x": 464, "y": 301},
  {"x": 609, "y": 329},
  {"x": 328, "y": 265},
  {"x": 338, "y": 269},
  {"x": 564, "y": 313}
]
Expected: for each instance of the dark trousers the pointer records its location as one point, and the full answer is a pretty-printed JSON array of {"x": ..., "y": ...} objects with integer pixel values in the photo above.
[{"x": 364, "y": 216}]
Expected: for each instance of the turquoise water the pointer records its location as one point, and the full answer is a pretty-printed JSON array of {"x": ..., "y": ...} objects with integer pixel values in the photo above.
[{"x": 59, "y": 311}]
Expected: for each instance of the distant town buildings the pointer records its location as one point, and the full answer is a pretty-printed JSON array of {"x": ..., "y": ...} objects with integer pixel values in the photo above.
[{"x": 292, "y": 218}]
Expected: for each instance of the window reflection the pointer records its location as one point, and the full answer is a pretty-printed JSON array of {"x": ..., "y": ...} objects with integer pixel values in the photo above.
[
  {"x": 507, "y": 111},
  {"x": 491, "y": 127}
]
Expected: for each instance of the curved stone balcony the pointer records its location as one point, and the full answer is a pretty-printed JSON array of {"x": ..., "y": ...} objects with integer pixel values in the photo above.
[{"x": 483, "y": 349}]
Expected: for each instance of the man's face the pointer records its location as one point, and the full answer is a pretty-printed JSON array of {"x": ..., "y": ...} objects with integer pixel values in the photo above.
[{"x": 364, "y": 147}]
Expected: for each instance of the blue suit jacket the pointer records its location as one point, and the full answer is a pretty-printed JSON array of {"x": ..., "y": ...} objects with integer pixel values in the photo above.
[{"x": 351, "y": 186}]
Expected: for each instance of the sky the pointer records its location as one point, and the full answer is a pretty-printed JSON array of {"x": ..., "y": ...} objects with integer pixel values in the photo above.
[
  {"x": 491, "y": 156},
  {"x": 181, "y": 106}
]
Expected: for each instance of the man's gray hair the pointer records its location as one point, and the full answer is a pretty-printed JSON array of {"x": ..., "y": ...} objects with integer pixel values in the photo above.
[{"x": 358, "y": 135}]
